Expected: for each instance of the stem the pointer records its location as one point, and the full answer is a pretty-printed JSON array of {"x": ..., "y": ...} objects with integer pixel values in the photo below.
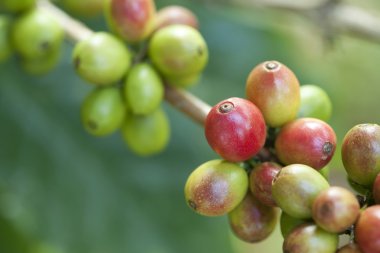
[{"x": 184, "y": 101}]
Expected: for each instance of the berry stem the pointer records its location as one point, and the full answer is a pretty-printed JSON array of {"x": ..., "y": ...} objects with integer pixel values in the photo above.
[{"x": 184, "y": 101}]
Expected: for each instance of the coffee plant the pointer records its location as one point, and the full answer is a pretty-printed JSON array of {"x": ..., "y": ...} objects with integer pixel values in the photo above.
[{"x": 275, "y": 144}]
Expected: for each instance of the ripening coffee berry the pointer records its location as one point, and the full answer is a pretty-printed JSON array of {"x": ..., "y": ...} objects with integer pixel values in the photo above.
[
  {"x": 275, "y": 90},
  {"x": 235, "y": 129},
  {"x": 178, "y": 50},
  {"x": 335, "y": 209},
  {"x": 175, "y": 15},
  {"x": 307, "y": 141},
  {"x": 41, "y": 65},
  {"x": 376, "y": 189},
  {"x": 350, "y": 248},
  {"x": 367, "y": 232},
  {"x": 101, "y": 59},
  {"x": 103, "y": 111},
  {"x": 5, "y": 46},
  {"x": 295, "y": 189},
  {"x": 361, "y": 153},
  {"x": 357, "y": 187},
  {"x": 147, "y": 134},
  {"x": 85, "y": 8},
  {"x": 288, "y": 223},
  {"x": 132, "y": 20},
  {"x": 315, "y": 103},
  {"x": 15, "y": 6},
  {"x": 251, "y": 221},
  {"x": 309, "y": 238},
  {"x": 35, "y": 34},
  {"x": 216, "y": 187},
  {"x": 183, "y": 81},
  {"x": 143, "y": 89},
  {"x": 260, "y": 182}
]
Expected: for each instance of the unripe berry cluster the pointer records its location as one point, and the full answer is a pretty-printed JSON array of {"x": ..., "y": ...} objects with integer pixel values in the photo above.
[
  {"x": 129, "y": 68},
  {"x": 276, "y": 146}
]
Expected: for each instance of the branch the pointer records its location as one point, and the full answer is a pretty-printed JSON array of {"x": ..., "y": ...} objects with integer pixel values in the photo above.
[
  {"x": 184, "y": 101},
  {"x": 334, "y": 14}
]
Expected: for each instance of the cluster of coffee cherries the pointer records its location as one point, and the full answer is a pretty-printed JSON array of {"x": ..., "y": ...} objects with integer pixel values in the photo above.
[
  {"x": 130, "y": 66},
  {"x": 31, "y": 34},
  {"x": 275, "y": 147}
]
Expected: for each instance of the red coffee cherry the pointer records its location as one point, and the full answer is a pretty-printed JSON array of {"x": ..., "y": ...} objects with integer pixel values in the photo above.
[
  {"x": 133, "y": 20},
  {"x": 235, "y": 129},
  {"x": 260, "y": 182},
  {"x": 367, "y": 232},
  {"x": 307, "y": 141},
  {"x": 275, "y": 90},
  {"x": 361, "y": 153}
]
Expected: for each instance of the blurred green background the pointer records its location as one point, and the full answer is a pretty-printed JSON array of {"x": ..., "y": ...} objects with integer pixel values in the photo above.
[{"x": 84, "y": 194}]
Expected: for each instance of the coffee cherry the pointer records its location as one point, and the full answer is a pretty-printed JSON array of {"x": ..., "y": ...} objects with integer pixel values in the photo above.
[
  {"x": 35, "y": 34},
  {"x": 335, "y": 209},
  {"x": 5, "y": 47},
  {"x": 15, "y": 6},
  {"x": 216, "y": 187},
  {"x": 146, "y": 135},
  {"x": 349, "y": 248},
  {"x": 315, "y": 103},
  {"x": 103, "y": 111},
  {"x": 175, "y": 14},
  {"x": 260, "y": 182},
  {"x": 307, "y": 141},
  {"x": 143, "y": 89},
  {"x": 183, "y": 81},
  {"x": 101, "y": 59},
  {"x": 309, "y": 238},
  {"x": 251, "y": 221},
  {"x": 133, "y": 20},
  {"x": 85, "y": 8},
  {"x": 295, "y": 189},
  {"x": 178, "y": 50},
  {"x": 357, "y": 187},
  {"x": 41, "y": 65},
  {"x": 376, "y": 189},
  {"x": 235, "y": 129},
  {"x": 361, "y": 153},
  {"x": 367, "y": 232},
  {"x": 288, "y": 223},
  {"x": 274, "y": 89}
]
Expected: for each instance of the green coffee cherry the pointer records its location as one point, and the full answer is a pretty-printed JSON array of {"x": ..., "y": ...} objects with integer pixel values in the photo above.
[
  {"x": 288, "y": 223},
  {"x": 41, "y": 65},
  {"x": 16, "y": 5},
  {"x": 295, "y": 188},
  {"x": 178, "y": 50},
  {"x": 325, "y": 172},
  {"x": 315, "y": 103},
  {"x": 309, "y": 238},
  {"x": 146, "y": 135},
  {"x": 184, "y": 81},
  {"x": 35, "y": 34},
  {"x": 103, "y": 111},
  {"x": 216, "y": 187},
  {"x": 143, "y": 89},
  {"x": 5, "y": 47},
  {"x": 101, "y": 59}
]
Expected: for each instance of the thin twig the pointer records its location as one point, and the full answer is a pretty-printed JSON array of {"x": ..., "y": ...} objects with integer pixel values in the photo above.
[
  {"x": 338, "y": 16},
  {"x": 184, "y": 101}
]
